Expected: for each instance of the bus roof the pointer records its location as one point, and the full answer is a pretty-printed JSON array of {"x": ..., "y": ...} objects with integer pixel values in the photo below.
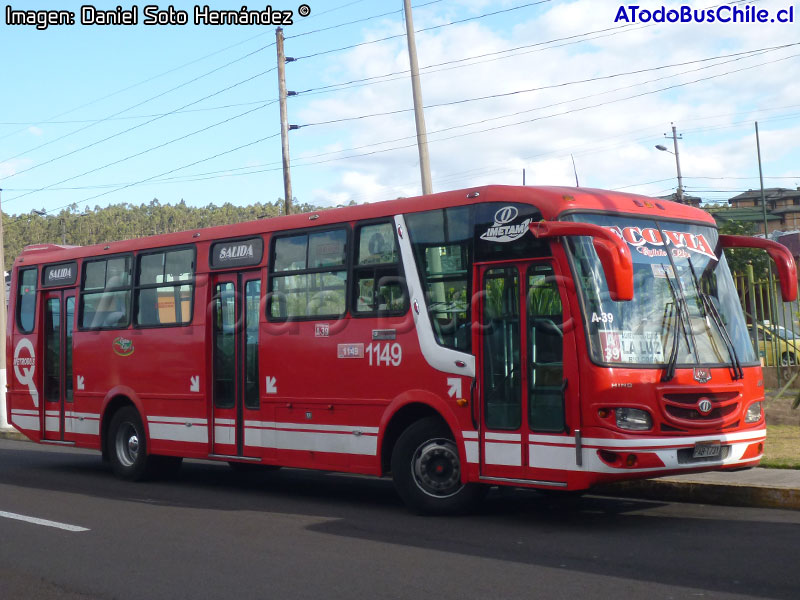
[{"x": 551, "y": 201}]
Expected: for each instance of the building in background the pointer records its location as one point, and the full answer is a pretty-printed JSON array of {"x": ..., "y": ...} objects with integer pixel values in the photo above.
[{"x": 783, "y": 210}]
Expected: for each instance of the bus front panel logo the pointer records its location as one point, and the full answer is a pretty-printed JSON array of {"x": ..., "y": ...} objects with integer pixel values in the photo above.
[
  {"x": 702, "y": 374},
  {"x": 501, "y": 231}
]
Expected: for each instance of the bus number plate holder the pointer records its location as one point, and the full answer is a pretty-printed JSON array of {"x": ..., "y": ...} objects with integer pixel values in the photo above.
[{"x": 707, "y": 450}]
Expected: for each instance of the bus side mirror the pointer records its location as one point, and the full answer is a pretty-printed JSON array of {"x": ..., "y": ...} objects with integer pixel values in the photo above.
[
  {"x": 784, "y": 261},
  {"x": 615, "y": 257}
]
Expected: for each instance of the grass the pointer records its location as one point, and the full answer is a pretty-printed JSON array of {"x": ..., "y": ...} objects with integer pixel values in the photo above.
[{"x": 783, "y": 447}]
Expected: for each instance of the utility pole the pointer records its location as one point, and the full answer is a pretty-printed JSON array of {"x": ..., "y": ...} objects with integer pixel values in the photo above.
[
  {"x": 285, "y": 127},
  {"x": 675, "y": 137},
  {"x": 764, "y": 211},
  {"x": 761, "y": 178},
  {"x": 419, "y": 115},
  {"x": 3, "y": 313}
]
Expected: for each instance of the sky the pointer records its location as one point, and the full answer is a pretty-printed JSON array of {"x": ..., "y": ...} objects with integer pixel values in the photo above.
[{"x": 92, "y": 115}]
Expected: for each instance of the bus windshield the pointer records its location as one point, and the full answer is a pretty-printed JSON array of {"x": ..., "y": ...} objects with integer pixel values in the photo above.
[{"x": 688, "y": 292}]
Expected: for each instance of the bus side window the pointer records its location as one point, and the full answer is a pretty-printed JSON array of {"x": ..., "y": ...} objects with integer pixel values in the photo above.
[
  {"x": 379, "y": 282},
  {"x": 106, "y": 293},
  {"x": 165, "y": 288},
  {"x": 26, "y": 300},
  {"x": 308, "y": 275}
]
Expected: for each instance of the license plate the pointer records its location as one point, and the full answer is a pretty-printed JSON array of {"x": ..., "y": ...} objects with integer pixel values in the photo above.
[{"x": 707, "y": 450}]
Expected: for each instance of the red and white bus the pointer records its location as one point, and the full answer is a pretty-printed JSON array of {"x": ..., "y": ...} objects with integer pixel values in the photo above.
[{"x": 549, "y": 337}]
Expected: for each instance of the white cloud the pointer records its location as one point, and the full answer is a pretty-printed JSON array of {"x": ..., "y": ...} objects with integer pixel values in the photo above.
[
  {"x": 12, "y": 167},
  {"x": 33, "y": 130},
  {"x": 612, "y": 144}
]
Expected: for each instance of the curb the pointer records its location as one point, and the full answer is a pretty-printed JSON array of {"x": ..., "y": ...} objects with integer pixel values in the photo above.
[
  {"x": 757, "y": 496},
  {"x": 11, "y": 434}
]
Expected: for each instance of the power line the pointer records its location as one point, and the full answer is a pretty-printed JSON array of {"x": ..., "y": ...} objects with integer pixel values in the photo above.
[
  {"x": 677, "y": 85},
  {"x": 579, "y": 109},
  {"x": 391, "y": 37},
  {"x": 625, "y": 187},
  {"x": 462, "y": 125},
  {"x": 116, "y": 162},
  {"x": 140, "y": 103},
  {"x": 558, "y": 85},
  {"x": 186, "y": 166},
  {"x": 508, "y": 51},
  {"x": 137, "y": 84},
  {"x": 362, "y": 20},
  {"x": 608, "y": 32},
  {"x": 134, "y": 117},
  {"x": 233, "y": 171},
  {"x": 334, "y": 9},
  {"x": 119, "y": 133}
]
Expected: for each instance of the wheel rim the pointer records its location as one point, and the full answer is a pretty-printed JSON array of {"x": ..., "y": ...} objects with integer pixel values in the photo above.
[
  {"x": 436, "y": 468},
  {"x": 127, "y": 444}
]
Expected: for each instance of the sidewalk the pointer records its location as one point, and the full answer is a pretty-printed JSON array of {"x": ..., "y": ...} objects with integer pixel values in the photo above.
[{"x": 765, "y": 488}]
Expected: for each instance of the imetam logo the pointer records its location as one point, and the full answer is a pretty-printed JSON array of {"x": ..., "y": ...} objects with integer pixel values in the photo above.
[
  {"x": 501, "y": 231},
  {"x": 505, "y": 215}
]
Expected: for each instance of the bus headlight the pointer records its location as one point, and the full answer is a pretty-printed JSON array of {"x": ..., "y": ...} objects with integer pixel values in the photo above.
[
  {"x": 633, "y": 419},
  {"x": 753, "y": 414}
]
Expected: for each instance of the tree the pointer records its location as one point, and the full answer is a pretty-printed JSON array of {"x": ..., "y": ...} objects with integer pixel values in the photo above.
[
  {"x": 125, "y": 221},
  {"x": 740, "y": 257}
]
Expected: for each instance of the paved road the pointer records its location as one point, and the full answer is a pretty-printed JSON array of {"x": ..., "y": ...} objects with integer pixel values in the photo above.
[{"x": 212, "y": 533}]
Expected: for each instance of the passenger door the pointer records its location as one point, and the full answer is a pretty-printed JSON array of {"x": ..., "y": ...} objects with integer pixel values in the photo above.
[
  {"x": 522, "y": 380},
  {"x": 235, "y": 396},
  {"x": 58, "y": 315}
]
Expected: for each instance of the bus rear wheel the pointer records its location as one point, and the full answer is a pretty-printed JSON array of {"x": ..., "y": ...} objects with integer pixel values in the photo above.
[
  {"x": 127, "y": 446},
  {"x": 426, "y": 469}
]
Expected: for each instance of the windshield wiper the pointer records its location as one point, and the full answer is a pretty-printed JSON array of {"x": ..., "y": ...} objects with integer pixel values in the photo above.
[
  {"x": 711, "y": 311},
  {"x": 679, "y": 326}
]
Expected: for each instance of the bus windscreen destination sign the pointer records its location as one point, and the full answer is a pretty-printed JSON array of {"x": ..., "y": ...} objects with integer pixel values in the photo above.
[
  {"x": 61, "y": 274},
  {"x": 237, "y": 253}
]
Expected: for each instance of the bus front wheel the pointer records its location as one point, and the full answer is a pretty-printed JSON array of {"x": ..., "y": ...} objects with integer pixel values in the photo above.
[
  {"x": 127, "y": 445},
  {"x": 426, "y": 469}
]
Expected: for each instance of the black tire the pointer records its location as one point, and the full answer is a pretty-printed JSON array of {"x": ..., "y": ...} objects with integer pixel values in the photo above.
[
  {"x": 127, "y": 446},
  {"x": 426, "y": 469}
]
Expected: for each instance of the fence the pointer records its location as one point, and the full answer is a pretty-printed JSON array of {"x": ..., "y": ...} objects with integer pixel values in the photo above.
[{"x": 774, "y": 325}]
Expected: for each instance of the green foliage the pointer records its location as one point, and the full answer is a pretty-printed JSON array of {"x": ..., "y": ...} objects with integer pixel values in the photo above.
[
  {"x": 738, "y": 258},
  {"x": 126, "y": 221}
]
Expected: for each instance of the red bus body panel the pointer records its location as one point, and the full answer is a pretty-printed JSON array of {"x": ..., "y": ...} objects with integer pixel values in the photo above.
[{"x": 322, "y": 410}]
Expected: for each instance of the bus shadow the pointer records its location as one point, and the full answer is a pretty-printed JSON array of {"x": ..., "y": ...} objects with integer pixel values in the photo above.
[{"x": 210, "y": 485}]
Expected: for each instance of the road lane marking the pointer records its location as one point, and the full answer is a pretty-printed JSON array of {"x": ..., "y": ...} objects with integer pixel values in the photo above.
[{"x": 45, "y": 522}]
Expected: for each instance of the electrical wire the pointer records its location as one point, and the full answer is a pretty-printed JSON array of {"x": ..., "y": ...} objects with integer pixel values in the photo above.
[
  {"x": 119, "y": 133},
  {"x": 362, "y": 20},
  {"x": 147, "y": 150},
  {"x": 560, "y": 85},
  {"x": 124, "y": 110},
  {"x": 186, "y": 166},
  {"x": 391, "y": 37},
  {"x": 130, "y": 87}
]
